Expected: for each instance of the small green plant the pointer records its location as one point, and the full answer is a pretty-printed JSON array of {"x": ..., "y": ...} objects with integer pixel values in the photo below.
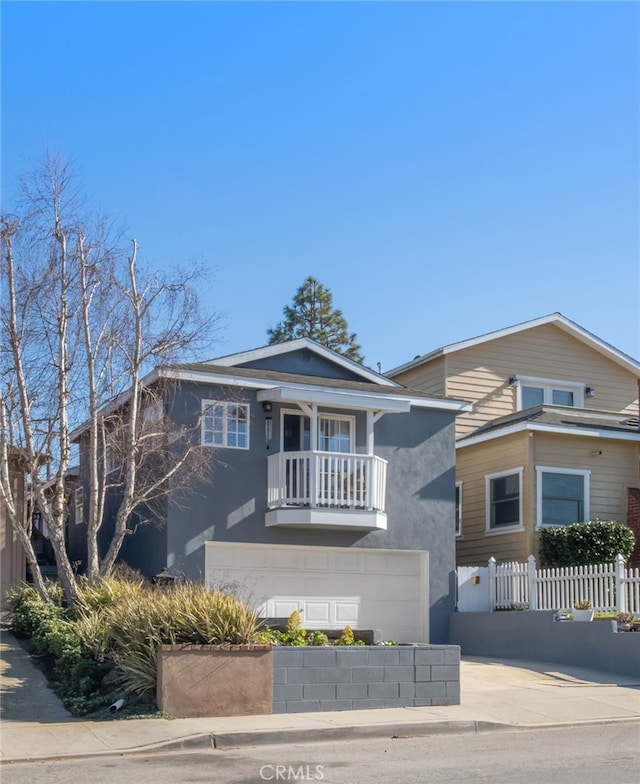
[
  {"x": 583, "y": 604},
  {"x": 318, "y": 638},
  {"x": 295, "y": 634},
  {"x": 347, "y": 637},
  {"x": 294, "y": 622},
  {"x": 269, "y": 636}
]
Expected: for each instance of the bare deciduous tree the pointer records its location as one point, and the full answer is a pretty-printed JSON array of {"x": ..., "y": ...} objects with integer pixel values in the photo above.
[{"x": 84, "y": 331}]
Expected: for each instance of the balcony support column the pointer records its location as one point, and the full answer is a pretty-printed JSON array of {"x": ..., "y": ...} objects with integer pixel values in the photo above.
[{"x": 312, "y": 412}]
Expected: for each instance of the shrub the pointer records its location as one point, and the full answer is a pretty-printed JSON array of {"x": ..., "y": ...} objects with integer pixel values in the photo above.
[
  {"x": 581, "y": 544},
  {"x": 121, "y": 622},
  {"x": 295, "y": 634},
  {"x": 29, "y": 611},
  {"x": 53, "y": 636},
  {"x": 318, "y": 638},
  {"x": 184, "y": 613},
  {"x": 347, "y": 637}
]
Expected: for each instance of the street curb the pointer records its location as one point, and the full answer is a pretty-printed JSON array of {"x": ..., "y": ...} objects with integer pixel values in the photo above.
[{"x": 231, "y": 740}]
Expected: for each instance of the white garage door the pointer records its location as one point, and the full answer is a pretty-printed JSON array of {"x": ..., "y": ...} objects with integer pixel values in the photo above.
[{"x": 331, "y": 586}]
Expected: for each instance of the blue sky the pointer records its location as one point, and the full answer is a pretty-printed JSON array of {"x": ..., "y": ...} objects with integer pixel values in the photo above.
[{"x": 446, "y": 169}]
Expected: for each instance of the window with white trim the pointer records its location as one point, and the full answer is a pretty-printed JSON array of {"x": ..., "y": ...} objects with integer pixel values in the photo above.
[
  {"x": 112, "y": 453},
  {"x": 79, "y": 506},
  {"x": 335, "y": 433},
  {"x": 225, "y": 424},
  {"x": 504, "y": 500},
  {"x": 533, "y": 391},
  {"x": 458, "y": 512},
  {"x": 152, "y": 415},
  {"x": 562, "y": 495}
]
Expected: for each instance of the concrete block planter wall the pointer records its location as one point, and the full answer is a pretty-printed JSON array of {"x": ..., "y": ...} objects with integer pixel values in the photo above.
[
  {"x": 207, "y": 680},
  {"x": 365, "y": 676}
]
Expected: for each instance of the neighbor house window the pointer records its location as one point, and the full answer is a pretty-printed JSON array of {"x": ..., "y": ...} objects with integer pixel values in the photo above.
[
  {"x": 540, "y": 391},
  {"x": 562, "y": 495},
  {"x": 79, "y": 510},
  {"x": 225, "y": 424},
  {"x": 458, "y": 508},
  {"x": 504, "y": 500}
]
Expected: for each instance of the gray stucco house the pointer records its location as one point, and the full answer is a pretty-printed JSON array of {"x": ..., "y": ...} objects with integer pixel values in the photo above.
[{"x": 331, "y": 490}]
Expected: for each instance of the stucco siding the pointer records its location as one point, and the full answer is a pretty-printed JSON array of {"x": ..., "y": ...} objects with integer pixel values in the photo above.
[
  {"x": 304, "y": 362},
  {"x": 230, "y": 502}
]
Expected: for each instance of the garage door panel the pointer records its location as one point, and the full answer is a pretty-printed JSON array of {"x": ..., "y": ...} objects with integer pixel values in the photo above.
[
  {"x": 286, "y": 560},
  {"x": 372, "y": 589}
]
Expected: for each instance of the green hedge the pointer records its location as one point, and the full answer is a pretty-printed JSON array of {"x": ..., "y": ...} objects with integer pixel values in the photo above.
[{"x": 581, "y": 544}]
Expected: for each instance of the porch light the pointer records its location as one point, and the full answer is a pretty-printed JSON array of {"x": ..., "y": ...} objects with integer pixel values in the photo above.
[
  {"x": 590, "y": 391},
  {"x": 267, "y": 406}
]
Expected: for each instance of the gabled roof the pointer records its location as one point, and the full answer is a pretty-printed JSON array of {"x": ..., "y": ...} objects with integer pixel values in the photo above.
[
  {"x": 276, "y": 385},
  {"x": 557, "y": 319},
  {"x": 233, "y": 360}
]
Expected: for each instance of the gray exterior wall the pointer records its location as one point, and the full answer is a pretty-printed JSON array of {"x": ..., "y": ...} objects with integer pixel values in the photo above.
[
  {"x": 537, "y": 637},
  {"x": 326, "y": 679},
  {"x": 303, "y": 362},
  {"x": 230, "y": 502}
]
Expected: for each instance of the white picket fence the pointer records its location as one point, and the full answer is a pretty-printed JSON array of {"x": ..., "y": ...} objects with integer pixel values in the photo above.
[{"x": 609, "y": 587}]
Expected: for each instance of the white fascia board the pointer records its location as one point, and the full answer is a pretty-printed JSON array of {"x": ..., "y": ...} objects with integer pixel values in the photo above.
[
  {"x": 296, "y": 345},
  {"x": 521, "y": 427},
  {"x": 578, "y": 332},
  {"x": 354, "y": 399},
  {"x": 118, "y": 401},
  {"x": 216, "y": 379},
  {"x": 442, "y": 404},
  {"x": 336, "y": 399}
]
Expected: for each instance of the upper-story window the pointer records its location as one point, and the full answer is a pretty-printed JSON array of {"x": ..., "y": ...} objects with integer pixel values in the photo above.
[
  {"x": 112, "y": 452},
  {"x": 225, "y": 424},
  {"x": 152, "y": 415},
  {"x": 79, "y": 506},
  {"x": 538, "y": 391},
  {"x": 335, "y": 434}
]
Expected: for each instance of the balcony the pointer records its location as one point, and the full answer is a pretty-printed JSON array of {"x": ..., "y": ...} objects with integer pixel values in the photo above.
[{"x": 327, "y": 490}]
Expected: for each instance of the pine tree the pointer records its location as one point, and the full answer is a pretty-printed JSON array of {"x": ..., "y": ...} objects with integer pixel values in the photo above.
[{"x": 312, "y": 315}]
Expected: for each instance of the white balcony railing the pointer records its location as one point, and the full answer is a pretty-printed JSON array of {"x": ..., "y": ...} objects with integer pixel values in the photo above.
[{"x": 327, "y": 479}]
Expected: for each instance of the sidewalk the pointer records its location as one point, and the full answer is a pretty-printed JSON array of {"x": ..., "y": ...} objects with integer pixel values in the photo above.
[{"x": 496, "y": 695}]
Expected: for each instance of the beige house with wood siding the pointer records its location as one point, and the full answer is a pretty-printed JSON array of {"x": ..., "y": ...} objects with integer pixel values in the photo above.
[
  {"x": 12, "y": 557},
  {"x": 552, "y": 437}
]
